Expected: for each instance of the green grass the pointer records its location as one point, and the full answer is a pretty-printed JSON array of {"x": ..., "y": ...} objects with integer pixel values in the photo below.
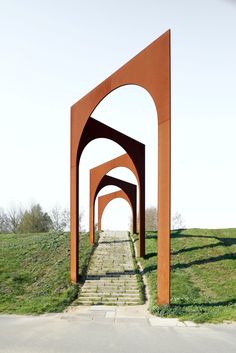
[
  {"x": 203, "y": 275},
  {"x": 34, "y": 272},
  {"x": 139, "y": 277}
]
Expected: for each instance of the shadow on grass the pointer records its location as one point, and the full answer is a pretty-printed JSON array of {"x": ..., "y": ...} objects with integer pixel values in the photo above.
[
  {"x": 149, "y": 269},
  {"x": 221, "y": 242},
  {"x": 178, "y": 234},
  {"x": 209, "y": 246},
  {"x": 208, "y": 304},
  {"x": 151, "y": 254},
  {"x": 151, "y": 236},
  {"x": 204, "y": 261},
  {"x": 199, "y": 312},
  {"x": 225, "y": 241}
]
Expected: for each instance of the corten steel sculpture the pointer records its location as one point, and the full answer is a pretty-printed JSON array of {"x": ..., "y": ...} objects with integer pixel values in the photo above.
[
  {"x": 150, "y": 69},
  {"x": 99, "y": 179},
  {"x": 128, "y": 192},
  {"x": 135, "y": 162},
  {"x": 104, "y": 200}
]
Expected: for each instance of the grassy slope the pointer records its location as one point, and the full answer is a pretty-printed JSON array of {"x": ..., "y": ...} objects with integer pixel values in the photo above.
[
  {"x": 34, "y": 272},
  {"x": 203, "y": 274}
]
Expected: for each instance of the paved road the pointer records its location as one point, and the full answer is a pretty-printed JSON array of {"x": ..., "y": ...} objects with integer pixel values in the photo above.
[{"x": 108, "y": 331}]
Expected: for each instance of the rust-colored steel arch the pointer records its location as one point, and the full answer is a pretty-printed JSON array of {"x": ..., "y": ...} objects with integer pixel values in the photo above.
[
  {"x": 149, "y": 69},
  {"x": 128, "y": 192},
  {"x": 136, "y": 150},
  {"x": 104, "y": 200},
  {"x": 99, "y": 179}
]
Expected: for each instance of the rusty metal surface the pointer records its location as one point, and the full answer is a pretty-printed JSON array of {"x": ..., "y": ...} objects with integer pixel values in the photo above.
[
  {"x": 149, "y": 69},
  {"x": 136, "y": 163},
  {"x": 99, "y": 179},
  {"x": 128, "y": 192}
]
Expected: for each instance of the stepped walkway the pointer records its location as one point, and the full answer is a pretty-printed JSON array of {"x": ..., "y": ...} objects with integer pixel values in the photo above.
[{"x": 111, "y": 278}]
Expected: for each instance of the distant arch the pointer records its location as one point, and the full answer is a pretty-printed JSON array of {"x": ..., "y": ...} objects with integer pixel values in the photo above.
[
  {"x": 100, "y": 179},
  {"x": 129, "y": 195}
]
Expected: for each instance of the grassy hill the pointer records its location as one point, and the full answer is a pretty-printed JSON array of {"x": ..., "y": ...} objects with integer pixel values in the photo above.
[
  {"x": 34, "y": 272},
  {"x": 203, "y": 274}
]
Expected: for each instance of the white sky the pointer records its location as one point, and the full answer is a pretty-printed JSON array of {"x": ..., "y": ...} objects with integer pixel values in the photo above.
[{"x": 54, "y": 52}]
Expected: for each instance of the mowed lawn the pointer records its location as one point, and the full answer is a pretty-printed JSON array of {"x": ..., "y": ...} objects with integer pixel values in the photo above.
[
  {"x": 34, "y": 272},
  {"x": 203, "y": 275}
]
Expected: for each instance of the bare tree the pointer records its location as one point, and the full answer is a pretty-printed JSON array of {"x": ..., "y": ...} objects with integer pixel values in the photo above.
[
  {"x": 4, "y": 224},
  {"x": 66, "y": 218},
  {"x": 14, "y": 217},
  {"x": 81, "y": 226},
  {"x": 177, "y": 221},
  {"x": 60, "y": 218},
  {"x": 151, "y": 218},
  {"x": 55, "y": 215}
]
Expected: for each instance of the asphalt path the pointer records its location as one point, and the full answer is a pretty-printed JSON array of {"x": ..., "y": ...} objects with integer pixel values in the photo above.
[{"x": 101, "y": 332}]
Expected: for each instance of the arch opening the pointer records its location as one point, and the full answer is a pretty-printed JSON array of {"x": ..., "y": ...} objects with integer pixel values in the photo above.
[
  {"x": 88, "y": 160},
  {"x": 116, "y": 208}
]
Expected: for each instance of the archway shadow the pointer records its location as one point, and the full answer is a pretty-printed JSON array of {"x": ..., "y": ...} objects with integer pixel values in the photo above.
[
  {"x": 207, "y": 304},
  {"x": 229, "y": 241},
  {"x": 217, "y": 241},
  {"x": 204, "y": 261}
]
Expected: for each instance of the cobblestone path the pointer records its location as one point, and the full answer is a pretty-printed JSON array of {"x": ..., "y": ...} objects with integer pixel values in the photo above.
[{"x": 111, "y": 278}]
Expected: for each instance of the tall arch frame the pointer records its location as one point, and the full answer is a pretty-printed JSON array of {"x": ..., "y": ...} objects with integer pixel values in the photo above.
[{"x": 149, "y": 69}]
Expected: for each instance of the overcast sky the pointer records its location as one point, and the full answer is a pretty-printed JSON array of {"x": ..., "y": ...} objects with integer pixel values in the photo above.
[{"x": 54, "y": 52}]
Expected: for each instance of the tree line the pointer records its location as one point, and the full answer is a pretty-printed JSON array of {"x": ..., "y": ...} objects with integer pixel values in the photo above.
[{"x": 34, "y": 220}]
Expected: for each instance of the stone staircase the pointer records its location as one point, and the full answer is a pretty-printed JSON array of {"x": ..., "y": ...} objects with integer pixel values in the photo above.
[{"x": 111, "y": 278}]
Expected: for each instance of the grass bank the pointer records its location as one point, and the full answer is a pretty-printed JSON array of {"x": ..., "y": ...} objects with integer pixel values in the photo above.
[
  {"x": 34, "y": 272},
  {"x": 203, "y": 274}
]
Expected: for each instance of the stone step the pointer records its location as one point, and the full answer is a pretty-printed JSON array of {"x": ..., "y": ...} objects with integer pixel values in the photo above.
[
  {"x": 123, "y": 286},
  {"x": 120, "y": 284},
  {"x": 115, "y": 285},
  {"x": 107, "y": 271},
  {"x": 107, "y": 274},
  {"x": 113, "y": 300},
  {"x": 111, "y": 277},
  {"x": 108, "y": 294},
  {"x": 109, "y": 301},
  {"x": 110, "y": 290},
  {"x": 111, "y": 280},
  {"x": 133, "y": 285}
]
